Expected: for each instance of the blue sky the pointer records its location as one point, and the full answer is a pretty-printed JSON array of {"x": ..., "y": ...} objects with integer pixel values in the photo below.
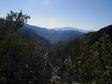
[{"x": 84, "y": 14}]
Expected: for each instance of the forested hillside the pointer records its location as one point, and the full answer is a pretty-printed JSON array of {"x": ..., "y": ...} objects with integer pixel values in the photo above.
[
  {"x": 91, "y": 57},
  {"x": 27, "y": 60},
  {"x": 53, "y": 36},
  {"x": 20, "y": 58}
]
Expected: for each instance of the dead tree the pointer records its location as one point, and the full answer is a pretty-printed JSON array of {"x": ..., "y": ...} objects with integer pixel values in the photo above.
[{"x": 55, "y": 77}]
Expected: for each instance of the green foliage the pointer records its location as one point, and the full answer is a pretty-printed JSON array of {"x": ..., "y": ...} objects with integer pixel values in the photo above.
[
  {"x": 91, "y": 62},
  {"x": 86, "y": 60},
  {"x": 20, "y": 59}
]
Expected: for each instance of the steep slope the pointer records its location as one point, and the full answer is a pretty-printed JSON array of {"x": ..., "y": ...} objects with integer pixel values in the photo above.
[
  {"x": 31, "y": 35},
  {"x": 91, "y": 37},
  {"x": 90, "y": 57},
  {"x": 55, "y": 36}
]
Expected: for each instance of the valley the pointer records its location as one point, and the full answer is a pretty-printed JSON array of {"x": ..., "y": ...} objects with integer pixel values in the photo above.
[{"x": 34, "y": 55}]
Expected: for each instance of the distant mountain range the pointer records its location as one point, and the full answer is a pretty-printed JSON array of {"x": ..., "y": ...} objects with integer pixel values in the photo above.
[
  {"x": 75, "y": 29},
  {"x": 53, "y": 36}
]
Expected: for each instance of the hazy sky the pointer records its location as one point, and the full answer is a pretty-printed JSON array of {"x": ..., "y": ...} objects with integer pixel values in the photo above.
[{"x": 85, "y": 14}]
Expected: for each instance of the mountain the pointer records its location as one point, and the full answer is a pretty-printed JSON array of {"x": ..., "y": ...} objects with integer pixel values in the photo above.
[
  {"x": 87, "y": 59},
  {"x": 90, "y": 57},
  {"x": 54, "y": 36},
  {"x": 30, "y": 34},
  {"x": 75, "y": 29}
]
